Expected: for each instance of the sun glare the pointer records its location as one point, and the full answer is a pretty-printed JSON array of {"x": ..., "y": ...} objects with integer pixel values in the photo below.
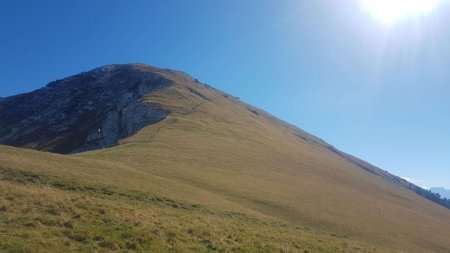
[{"x": 390, "y": 12}]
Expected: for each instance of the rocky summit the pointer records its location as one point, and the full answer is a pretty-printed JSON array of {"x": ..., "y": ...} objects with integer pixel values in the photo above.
[{"x": 88, "y": 111}]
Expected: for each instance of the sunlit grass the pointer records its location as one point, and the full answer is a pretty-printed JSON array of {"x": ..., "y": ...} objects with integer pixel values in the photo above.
[{"x": 38, "y": 213}]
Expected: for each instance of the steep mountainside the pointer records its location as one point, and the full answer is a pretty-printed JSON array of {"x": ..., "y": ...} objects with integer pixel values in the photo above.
[{"x": 215, "y": 165}]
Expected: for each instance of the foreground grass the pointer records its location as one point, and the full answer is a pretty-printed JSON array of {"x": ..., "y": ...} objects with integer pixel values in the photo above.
[{"x": 40, "y": 213}]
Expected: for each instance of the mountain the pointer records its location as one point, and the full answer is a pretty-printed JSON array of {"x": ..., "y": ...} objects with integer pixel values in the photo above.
[
  {"x": 445, "y": 193},
  {"x": 145, "y": 159}
]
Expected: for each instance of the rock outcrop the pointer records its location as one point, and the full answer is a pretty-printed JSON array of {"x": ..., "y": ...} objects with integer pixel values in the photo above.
[{"x": 88, "y": 111}]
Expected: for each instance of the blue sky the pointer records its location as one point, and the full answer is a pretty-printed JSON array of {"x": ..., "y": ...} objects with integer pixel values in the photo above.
[{"x": 379, "y": 92}]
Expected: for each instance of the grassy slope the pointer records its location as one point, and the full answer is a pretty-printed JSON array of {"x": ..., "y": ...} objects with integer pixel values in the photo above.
[
  {"x": 43, "y": 213},
  {"x": 223, "y": 158}
]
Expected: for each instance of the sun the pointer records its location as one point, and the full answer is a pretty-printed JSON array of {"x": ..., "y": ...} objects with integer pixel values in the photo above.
[{"x": 390, "y": 12}]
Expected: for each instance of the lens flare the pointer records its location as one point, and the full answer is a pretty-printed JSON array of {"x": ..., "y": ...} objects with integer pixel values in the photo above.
[{"x": 390, "y": 12}]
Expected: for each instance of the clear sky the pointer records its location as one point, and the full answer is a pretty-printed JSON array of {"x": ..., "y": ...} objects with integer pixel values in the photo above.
[{"x": 374, "y": 88}]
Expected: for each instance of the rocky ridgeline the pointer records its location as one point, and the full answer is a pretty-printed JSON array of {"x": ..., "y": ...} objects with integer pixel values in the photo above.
[{"x": 88, "y": 111}]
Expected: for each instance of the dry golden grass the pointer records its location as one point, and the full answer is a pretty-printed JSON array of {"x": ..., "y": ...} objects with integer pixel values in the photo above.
[
  {"x": 227, "y": 156},
  {"x": 41, "y": 213}
]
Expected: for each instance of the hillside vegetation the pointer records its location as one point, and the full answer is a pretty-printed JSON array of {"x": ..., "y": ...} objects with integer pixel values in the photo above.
[
  {"x": 215, "y": 175},
  {"x": 42, "y": 213}
]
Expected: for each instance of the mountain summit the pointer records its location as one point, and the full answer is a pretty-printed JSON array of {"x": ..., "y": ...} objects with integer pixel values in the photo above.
[{"x": 206, "y": 157}]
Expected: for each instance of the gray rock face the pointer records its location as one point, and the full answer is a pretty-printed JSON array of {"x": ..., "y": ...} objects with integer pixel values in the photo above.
[{"x": 84, "y": 112}]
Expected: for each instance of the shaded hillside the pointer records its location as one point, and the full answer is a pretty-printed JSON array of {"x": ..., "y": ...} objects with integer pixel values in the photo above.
[
  {"x": 445, "y": 193},
  {"x": 213, "y": 152}
]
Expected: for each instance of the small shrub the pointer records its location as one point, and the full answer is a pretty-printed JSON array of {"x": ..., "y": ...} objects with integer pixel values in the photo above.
[
  {"x": 53, "y": 210},
  {"x": 127, "y": 235},
  {"x": 76, "y": 236},
  {"x": 68, "y": 224},
  {"x": 30, "y": 224},
  {"x": 132, "y": 245},
  {"x": 109, "y": 245},
  {"x": 99, "y": 238}
]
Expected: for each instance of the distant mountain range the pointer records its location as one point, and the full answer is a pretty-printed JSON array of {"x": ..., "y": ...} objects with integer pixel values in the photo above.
[{"x": 445, "y": 193}]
